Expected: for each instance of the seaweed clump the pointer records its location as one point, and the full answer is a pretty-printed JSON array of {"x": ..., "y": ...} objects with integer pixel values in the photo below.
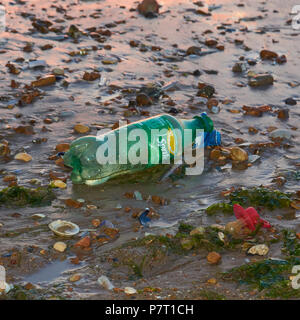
[
  {"x": 269, "y": 275},
  {"x": 256, "y": 197},
  {"x": 21, "y": 196}
]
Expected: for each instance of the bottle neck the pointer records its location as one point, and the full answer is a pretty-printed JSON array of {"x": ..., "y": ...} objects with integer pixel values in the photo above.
[{"x": 198, "y": 122}]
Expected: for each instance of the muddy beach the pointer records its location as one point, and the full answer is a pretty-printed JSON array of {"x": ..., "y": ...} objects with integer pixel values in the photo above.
[{"x": 71, "y": 68}]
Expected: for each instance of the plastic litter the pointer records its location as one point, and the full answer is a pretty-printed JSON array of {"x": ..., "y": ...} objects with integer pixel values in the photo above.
[
  {"x": 144, "y": 219},
  {"x": 105, "y": 283},
  {"x": 249, "y": 217},
  {"x": 83, "y": 155}
]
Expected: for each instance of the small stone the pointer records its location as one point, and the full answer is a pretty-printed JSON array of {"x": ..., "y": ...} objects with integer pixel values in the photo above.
[
  {"x": 199, "y": 230},
  {"x": 187, "y": 244},
  {"x": 83, "y": 243},
  {"x": 261, "y": 80},
  {"x": 282, "y": 59},
  {"x": 238, "y": 154},
  {"x": 58, "y": 72},
  {"x": 260, "y": 249},
  {"x": 238, "y": 67},
  {"x": 268, "y": 55},
  {"x": 205, "y": 90},
  {"x": 73, "y": 203},
  {"x": 143, "y": 100},
  {"x": 29, "y": 286},
  {"x": 58, "y": 184},
  {"x": 130, "y": 290},
  {"x": 211, "y": 42},
  {"x": 45, "y": 81},
  {"x": 9, "y": 178},
  {"x": 62, "y": 147},
  {"x": 213, "y": 257},
  {"x": 212, "y": 281},
  {"x": 148, "y": 8},
  {"x": 283, "y": 114},
  {"x": 290, "y": 101},
  {"x": 80, "y": 128},
  {"x": 23, "y": 156},
  {"x": 60, "y": 246},
  {"x": 96, "y": 223},
  {"x": 38, "y": 216},
  {"x": 75, "y": 277},
  {"x": 91, "y": 76},
  {"x": 193, "y": 50},
  {"x": 235, "y": 228}
]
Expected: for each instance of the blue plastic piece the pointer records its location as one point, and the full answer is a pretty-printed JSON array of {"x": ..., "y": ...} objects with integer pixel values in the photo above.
[{"x": 144, "y": 220}]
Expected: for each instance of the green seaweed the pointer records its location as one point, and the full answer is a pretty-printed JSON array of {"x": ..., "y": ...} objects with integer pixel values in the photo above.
[
  {"x": 211, "y": 295},
  {"x": 262, "y": 197},
  {"x": 291, "y": 243},
  {"x": 269, "y": 275},
  {"x": 185, "y": 228},
  {"x": 21, "y": 196},
  {"x": 219, "y": 207},
  {"x": 255, "y": 197}
]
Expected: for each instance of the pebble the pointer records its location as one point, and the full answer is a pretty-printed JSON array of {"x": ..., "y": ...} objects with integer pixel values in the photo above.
[
  {"x": 80, "y": 128},
  {"x": 62, "y": 147},
  {"x": 212, "y": 281},
  {"x": 75, "y": 277},
  {"x": 83, "y": 243},
  {"x": 186, "y": 244},
  {"x": 60, "y": 246},
  {"x": 261, "y": 80},
  {"x": 58, "y": 72},
  {"x": 143, "y": 100},
  {"x": 213, "y": 257},
  {"x": 148, "y": 8},
  {"x": 37, "y": 216},
  {"x": 238, "y": 154},
  {"x": 45, "y": 81},
  {"x": 23, "y": 156},
  {"x": 199, "y": 230},
  {"x": 268, "y": 55},
  {"x": 238, "y": 67},
  {"x": 290, "y": 101},
  {"x": 58, "y": 184}
]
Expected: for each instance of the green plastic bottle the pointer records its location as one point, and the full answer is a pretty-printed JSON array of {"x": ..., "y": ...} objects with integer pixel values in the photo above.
[{"x": 163, "y": 144}]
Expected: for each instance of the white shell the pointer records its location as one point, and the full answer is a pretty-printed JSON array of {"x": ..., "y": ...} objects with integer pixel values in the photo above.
[
  {"x": 221, "y": 236},
  {"x": 55, "y": 225},
  {"x": 260, "y": 249},
  {"x": 129, "y": 290}
]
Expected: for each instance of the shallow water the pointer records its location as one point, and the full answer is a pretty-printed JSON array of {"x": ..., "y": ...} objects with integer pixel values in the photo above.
[{"x": 98, "y": 107}]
